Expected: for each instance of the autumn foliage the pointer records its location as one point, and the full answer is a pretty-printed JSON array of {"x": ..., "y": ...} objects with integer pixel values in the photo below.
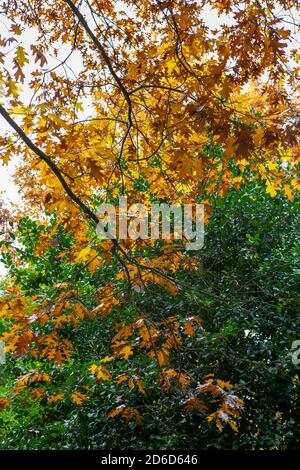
[{"x": 150, "y": 100}]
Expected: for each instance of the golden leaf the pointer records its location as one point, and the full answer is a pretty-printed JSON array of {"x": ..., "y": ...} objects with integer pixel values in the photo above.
[
  {"x": 126, "y": 351},
  {"x": 54, "y": 398},
  {"x": 78, "y": 398},
  {"x": 116, "y": 411}
]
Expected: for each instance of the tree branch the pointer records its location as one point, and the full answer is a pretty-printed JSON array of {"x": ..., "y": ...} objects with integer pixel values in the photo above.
[{"x": 105, "y": 57}]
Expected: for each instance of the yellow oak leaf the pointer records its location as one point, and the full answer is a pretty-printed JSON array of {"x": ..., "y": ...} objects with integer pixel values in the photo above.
[
  {"x": 189, "y": 329},
  {"x": 116, "y": 411},
  {"x": 288, "y": 191},
  {"x": 271, "y": 189},
  {"x": 78, "y": 398},
  {"x": 126, "y": 351},
  {"x": 54, "y": 398}
]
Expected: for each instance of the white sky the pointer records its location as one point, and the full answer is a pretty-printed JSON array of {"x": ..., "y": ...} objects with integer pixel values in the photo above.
[{"x": 7, "y": 187}]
